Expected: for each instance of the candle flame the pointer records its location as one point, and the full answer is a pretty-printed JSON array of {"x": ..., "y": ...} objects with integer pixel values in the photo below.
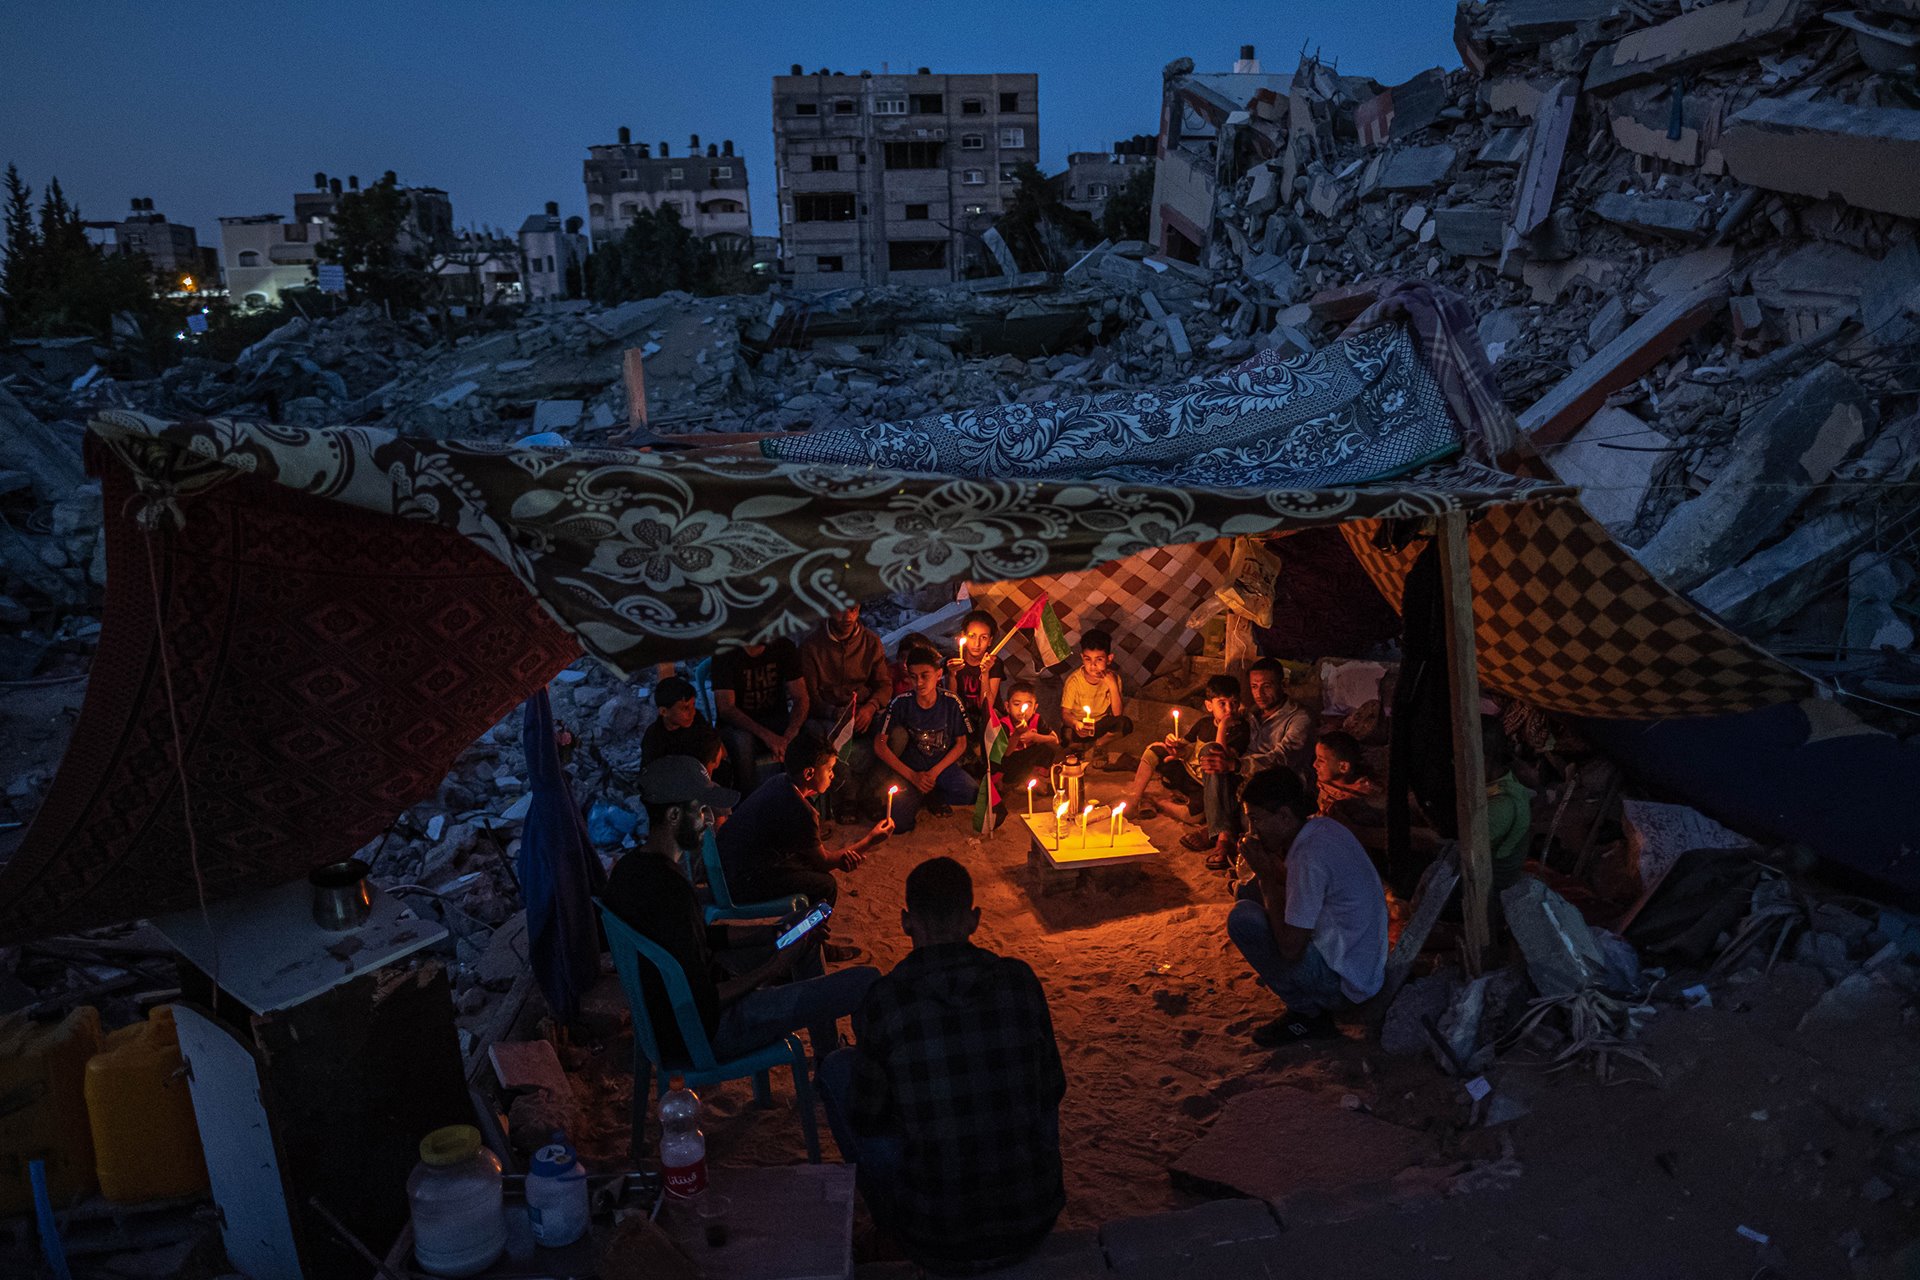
[
  {"x": 1032, "y": 783},
  {"x": 893, "y": 791},
  {"x": 1087, "y": 810},
  {"x": 1119, "y": 809}
]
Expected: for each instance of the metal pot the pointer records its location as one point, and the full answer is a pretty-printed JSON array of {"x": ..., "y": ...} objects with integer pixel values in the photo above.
[{"x": 341, "y": 899}]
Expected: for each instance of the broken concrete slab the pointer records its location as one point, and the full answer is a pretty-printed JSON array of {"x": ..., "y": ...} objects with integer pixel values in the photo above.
[
  {"x": 1344, "y": 302},
  {"x": 1559, "y": 413},
  {"x": 1828, "y": 279},
  {"x": 1770, "y": 586},
  {"x": 47, "y": 452},
  {"x": 1282, "y": 1144},
  {"x": 1791, "y": 445},
  {"x": 1517, "y": 95},
  {"x": 1469, "y": 231},
  {"x": 557, "y": 415},
  {"x": 1656, "y": 215},
  {"x": 1868, "y": 157},
  {"x": 1613, "y": 458},
  {"x": 1608, "y": 323},
  {"x": 1686, "y": 272},
  {"x": 1525, "y": 22},
  {"x": 1707, "y": 35},
  {"x": 1507, "y": 148},
  {"x": 1642, "y": 122},
  {"x": 1539, "y": 178},
  {"x": 1561, "y": 954},
  {"x": 1876, "y": 584},
  {"x": 1417, "y": 168}
]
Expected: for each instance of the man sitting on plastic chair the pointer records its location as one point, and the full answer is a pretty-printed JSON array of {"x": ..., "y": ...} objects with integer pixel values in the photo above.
[{"x": 744, "y": 1012}]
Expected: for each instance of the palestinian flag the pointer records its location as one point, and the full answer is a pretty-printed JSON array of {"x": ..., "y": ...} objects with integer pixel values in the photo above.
[
  {"x": 1049, "y": 637},
  {"x": 987, "y": 799},
  {"x": 843, "y": 730}
]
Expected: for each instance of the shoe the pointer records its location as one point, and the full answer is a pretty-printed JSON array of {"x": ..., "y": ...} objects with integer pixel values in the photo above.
[
  {"x": 1290, "y": 1030},
  {"x": 936, "y": 807},
  {"x": 1219, "y": 861},
  {"x": 1145, "y": 809},
  {"x": 1198, "y": 841},
  {"x": 840, "y": 952}
]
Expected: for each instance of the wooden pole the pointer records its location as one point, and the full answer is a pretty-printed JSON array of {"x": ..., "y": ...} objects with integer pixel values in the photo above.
[
  {"x": 1469, "y": 762},
  {"x": 636, "y": 376}
]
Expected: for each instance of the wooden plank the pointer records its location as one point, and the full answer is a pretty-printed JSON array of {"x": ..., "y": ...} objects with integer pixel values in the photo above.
[
  {"x": 1469, "y": 763},
  {"x": 633, "y": 369},
  {"x": 1562, "y": 411}
]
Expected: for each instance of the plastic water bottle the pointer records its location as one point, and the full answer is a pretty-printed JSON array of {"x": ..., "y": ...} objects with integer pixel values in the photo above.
[
  {"x": 557, "y": 1195},
  {"x": 683, "y": 1148}
]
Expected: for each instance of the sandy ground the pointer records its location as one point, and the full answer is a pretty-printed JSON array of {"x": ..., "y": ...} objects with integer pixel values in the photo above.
[{"x": 1752, "y": 1123}]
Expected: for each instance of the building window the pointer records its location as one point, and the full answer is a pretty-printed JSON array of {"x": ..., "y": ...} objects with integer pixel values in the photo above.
[
  {"x": 843, "y": 107},
  {"x": 296, "y": 232},
  {"x": 248, "y": 258},
  {"x": 823, "y": 206},
  {"x": 972, "y": 107},
  {"x": 1098, "y": 191},
  {"x": 972, "y": 141},
  {"x": 830, "y": 262},
  {"x": 927, "y": 104},
  {"x": 889, "y": 106},
  {"x": 916, "y": 255},
  {"x": 1009, "y": 102},
  {"x": 721, "y": 206},
  {"x": 597, "y": 210},
  {"x": 627, "y": 209},
  {"x": 676, "y": 174},
  {"x": 974, "y": 178},
  {"x": 806, "y": 108},
  {"x": 916, "y": 213},
  {"x": 826, "y": 164},
  {"x": 626, "y": 175},
  {"x": 1013, "y": 137},
  {"x": 976, "y": 208},
  {"x": 1006, "y": 173},
  {"x": 915, "y": 155},
  {"x": 724, "y": 171}
]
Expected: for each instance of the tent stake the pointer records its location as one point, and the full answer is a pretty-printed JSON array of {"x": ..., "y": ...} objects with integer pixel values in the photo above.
[{"x": 1469, "y": 764}]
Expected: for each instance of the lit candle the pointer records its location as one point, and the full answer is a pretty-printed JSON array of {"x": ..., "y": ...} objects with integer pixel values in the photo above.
[
  {"x": 1031, "y": 784},
  {"x": 1118, "y": 827},
  {"x": 1087, "y": 718},
  {"x": 960, "y": 644},
  {"x": 1059, "y": 816},
  {"x": 1176, "y": 722},
  {"x": 1084, "y": 815},
  {"x": 891, "y": 793}
]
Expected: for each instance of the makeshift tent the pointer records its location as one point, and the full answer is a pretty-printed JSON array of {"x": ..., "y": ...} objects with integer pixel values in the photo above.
[{"x": 325, "y": 618}]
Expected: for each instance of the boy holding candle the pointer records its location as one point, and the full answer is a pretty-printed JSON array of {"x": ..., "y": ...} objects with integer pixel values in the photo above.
[
  {"x": 1175, "y": 760},
  {"x": 1032, "y": 744},
  {"x": 921, "y": 741},
  {"x": 1090, "y": 705}
]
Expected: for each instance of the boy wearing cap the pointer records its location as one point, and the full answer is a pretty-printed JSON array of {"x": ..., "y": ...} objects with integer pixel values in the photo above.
[{"x": 741, "y": 1013}]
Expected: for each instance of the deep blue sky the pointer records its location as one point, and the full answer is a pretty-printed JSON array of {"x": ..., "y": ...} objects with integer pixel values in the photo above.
[{"x": 228, "y": 108}]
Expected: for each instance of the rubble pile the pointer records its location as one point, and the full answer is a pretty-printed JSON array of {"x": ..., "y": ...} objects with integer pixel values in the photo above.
[{"x": 1688, "y": 235}]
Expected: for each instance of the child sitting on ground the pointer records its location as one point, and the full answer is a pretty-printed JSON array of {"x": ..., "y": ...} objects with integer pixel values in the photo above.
[
  {"x": 974, "y": 678},
  {"x": 920, "y": 742},
  {"x": 1175, "y": 760},
  {"x": 1346, "y": 790},
  {"x": 1090, "y": 706},
  {"x": 1032, "y": 744}
]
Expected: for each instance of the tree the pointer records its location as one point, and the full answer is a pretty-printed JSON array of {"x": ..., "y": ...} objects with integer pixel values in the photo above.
[
  {"x": 57, "y": 281},
  {"x": 1038, "y": 226},
  {"x": 655, "y": 254},
  {"x": 370, "y": 241},
  {"x": 1129, "y": 211},
  {"x": 23, "y": 245}
]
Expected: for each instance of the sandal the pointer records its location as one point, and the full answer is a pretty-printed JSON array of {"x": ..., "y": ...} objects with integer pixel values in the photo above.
[
  {"x": 1145, "y": 809},
  {"x": 1198, "y": 841}
]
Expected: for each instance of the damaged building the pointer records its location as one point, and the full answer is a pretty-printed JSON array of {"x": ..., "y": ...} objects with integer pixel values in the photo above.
[
  {"x": 707, "y": 189},
  {"x": 895, "y": 178}
]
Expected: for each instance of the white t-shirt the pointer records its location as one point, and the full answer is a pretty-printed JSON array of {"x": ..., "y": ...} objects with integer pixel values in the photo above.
[{"x": 1333, "y": 890}]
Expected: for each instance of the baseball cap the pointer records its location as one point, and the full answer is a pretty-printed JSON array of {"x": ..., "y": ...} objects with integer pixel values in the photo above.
[{"x": 683, "y": 780}]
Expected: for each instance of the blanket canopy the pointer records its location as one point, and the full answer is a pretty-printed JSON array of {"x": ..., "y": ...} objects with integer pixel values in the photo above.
[{"x": 340, "y": 612}]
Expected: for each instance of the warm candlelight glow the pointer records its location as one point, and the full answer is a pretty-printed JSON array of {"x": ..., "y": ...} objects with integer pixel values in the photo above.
[
  {"x": 960, "y": 643},
  {"x": 891, "y": 793},
  {"x": 1117, "y": 826},
  {"x": 1084, "y": 815},
  {"x": 1031, "y": 784},
  {"x": 1176, "y": 722},
  {"x": 1059, "y": 816},
  {"x": 1088, "y": 717}
]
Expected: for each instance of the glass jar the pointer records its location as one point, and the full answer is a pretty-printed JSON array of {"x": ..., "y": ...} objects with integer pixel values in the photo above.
[{"x": 454, "y": 1194}]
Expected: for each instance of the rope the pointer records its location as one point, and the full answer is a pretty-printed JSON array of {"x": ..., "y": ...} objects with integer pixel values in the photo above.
[{"x": 180, "y": 762}]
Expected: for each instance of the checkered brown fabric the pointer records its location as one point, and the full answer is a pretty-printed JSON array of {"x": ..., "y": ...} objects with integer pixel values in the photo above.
[
  {"x": 1144, "y": 599},
  {"x": 1567, "y": 620}
]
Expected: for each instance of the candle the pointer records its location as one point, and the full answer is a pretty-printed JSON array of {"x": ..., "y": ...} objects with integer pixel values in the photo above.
[
  {"x": 1176, "y": 722},
  {"x": 1031, "y": 784},
  {"x": 891, "y": 793},
  {"x": 1087, "y": 718},
  {"x": 1059, "y": 816},
  {"x": 1084, "y": 815},
  {"x": 960, "y": 645},
  {"x": 1118, "y": 827}
]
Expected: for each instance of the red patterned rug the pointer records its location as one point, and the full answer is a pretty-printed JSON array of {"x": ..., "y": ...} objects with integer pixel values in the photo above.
[{"x": 329, "y": 666}]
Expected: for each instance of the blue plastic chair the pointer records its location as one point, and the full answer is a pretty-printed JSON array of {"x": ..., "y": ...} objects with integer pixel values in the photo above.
[
  {"x": 723, "y": 907},
  {"x": 650, "y": 1073}
]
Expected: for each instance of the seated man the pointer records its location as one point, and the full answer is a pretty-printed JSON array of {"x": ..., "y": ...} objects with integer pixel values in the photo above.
[
  {"x": 680, "y": 729},
  {"x": 1176, "y": 759},
  {"x": 649, "y": 892},
  {"x": 761, "y": 702},
  {"x": 1090, "y": 703},
  {"x": 771, "y": 846},
  {"x": 844, "y": 666},
  {"x": 1344, "y": 790},
  {"x": 1313, "y": 921},
  {"x": 1032, "y": 744},
  {"x": 1279, "y": 733},
  {"x": 950, "y": 1102},
  {"x": 920, "y": 742}
]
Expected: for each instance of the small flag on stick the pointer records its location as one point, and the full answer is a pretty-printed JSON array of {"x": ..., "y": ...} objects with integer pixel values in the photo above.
[
  {"x": 1049, "y": 637},
  {"x": 987, "y": 798}
]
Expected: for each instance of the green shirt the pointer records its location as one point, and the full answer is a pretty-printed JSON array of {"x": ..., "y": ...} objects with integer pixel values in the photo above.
[{"x": 1509, "y": 821}]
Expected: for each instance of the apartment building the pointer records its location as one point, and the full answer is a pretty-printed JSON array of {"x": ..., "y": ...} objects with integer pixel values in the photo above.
[
  {"x": 1092, "y": 178},
  {"x": 172, "y": 249},
  {"x": 553, "y": 255},
  {"x": 1199, "y": 114},
  {"x": 893, "y": 178},
  {"x": 708, "y": 189},
  {"x": 263, "y": 254}
]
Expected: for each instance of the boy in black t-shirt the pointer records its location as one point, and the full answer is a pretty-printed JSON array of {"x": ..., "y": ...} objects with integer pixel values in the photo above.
[
  {"x": 1175, "y": 760},
  {"x": 762, "y": 704},
  {"x": 680, "y": 729}
]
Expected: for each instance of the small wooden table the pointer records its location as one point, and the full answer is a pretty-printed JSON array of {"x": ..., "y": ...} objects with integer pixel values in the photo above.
[{"x": 1098, "y": 849}]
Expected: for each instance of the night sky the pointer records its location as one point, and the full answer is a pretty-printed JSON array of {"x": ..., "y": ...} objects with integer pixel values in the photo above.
[{"x": 228, "y": 108}]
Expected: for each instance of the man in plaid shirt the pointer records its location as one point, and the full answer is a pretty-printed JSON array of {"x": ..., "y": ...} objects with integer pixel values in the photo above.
[{"x": 950, "y": 1101}]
